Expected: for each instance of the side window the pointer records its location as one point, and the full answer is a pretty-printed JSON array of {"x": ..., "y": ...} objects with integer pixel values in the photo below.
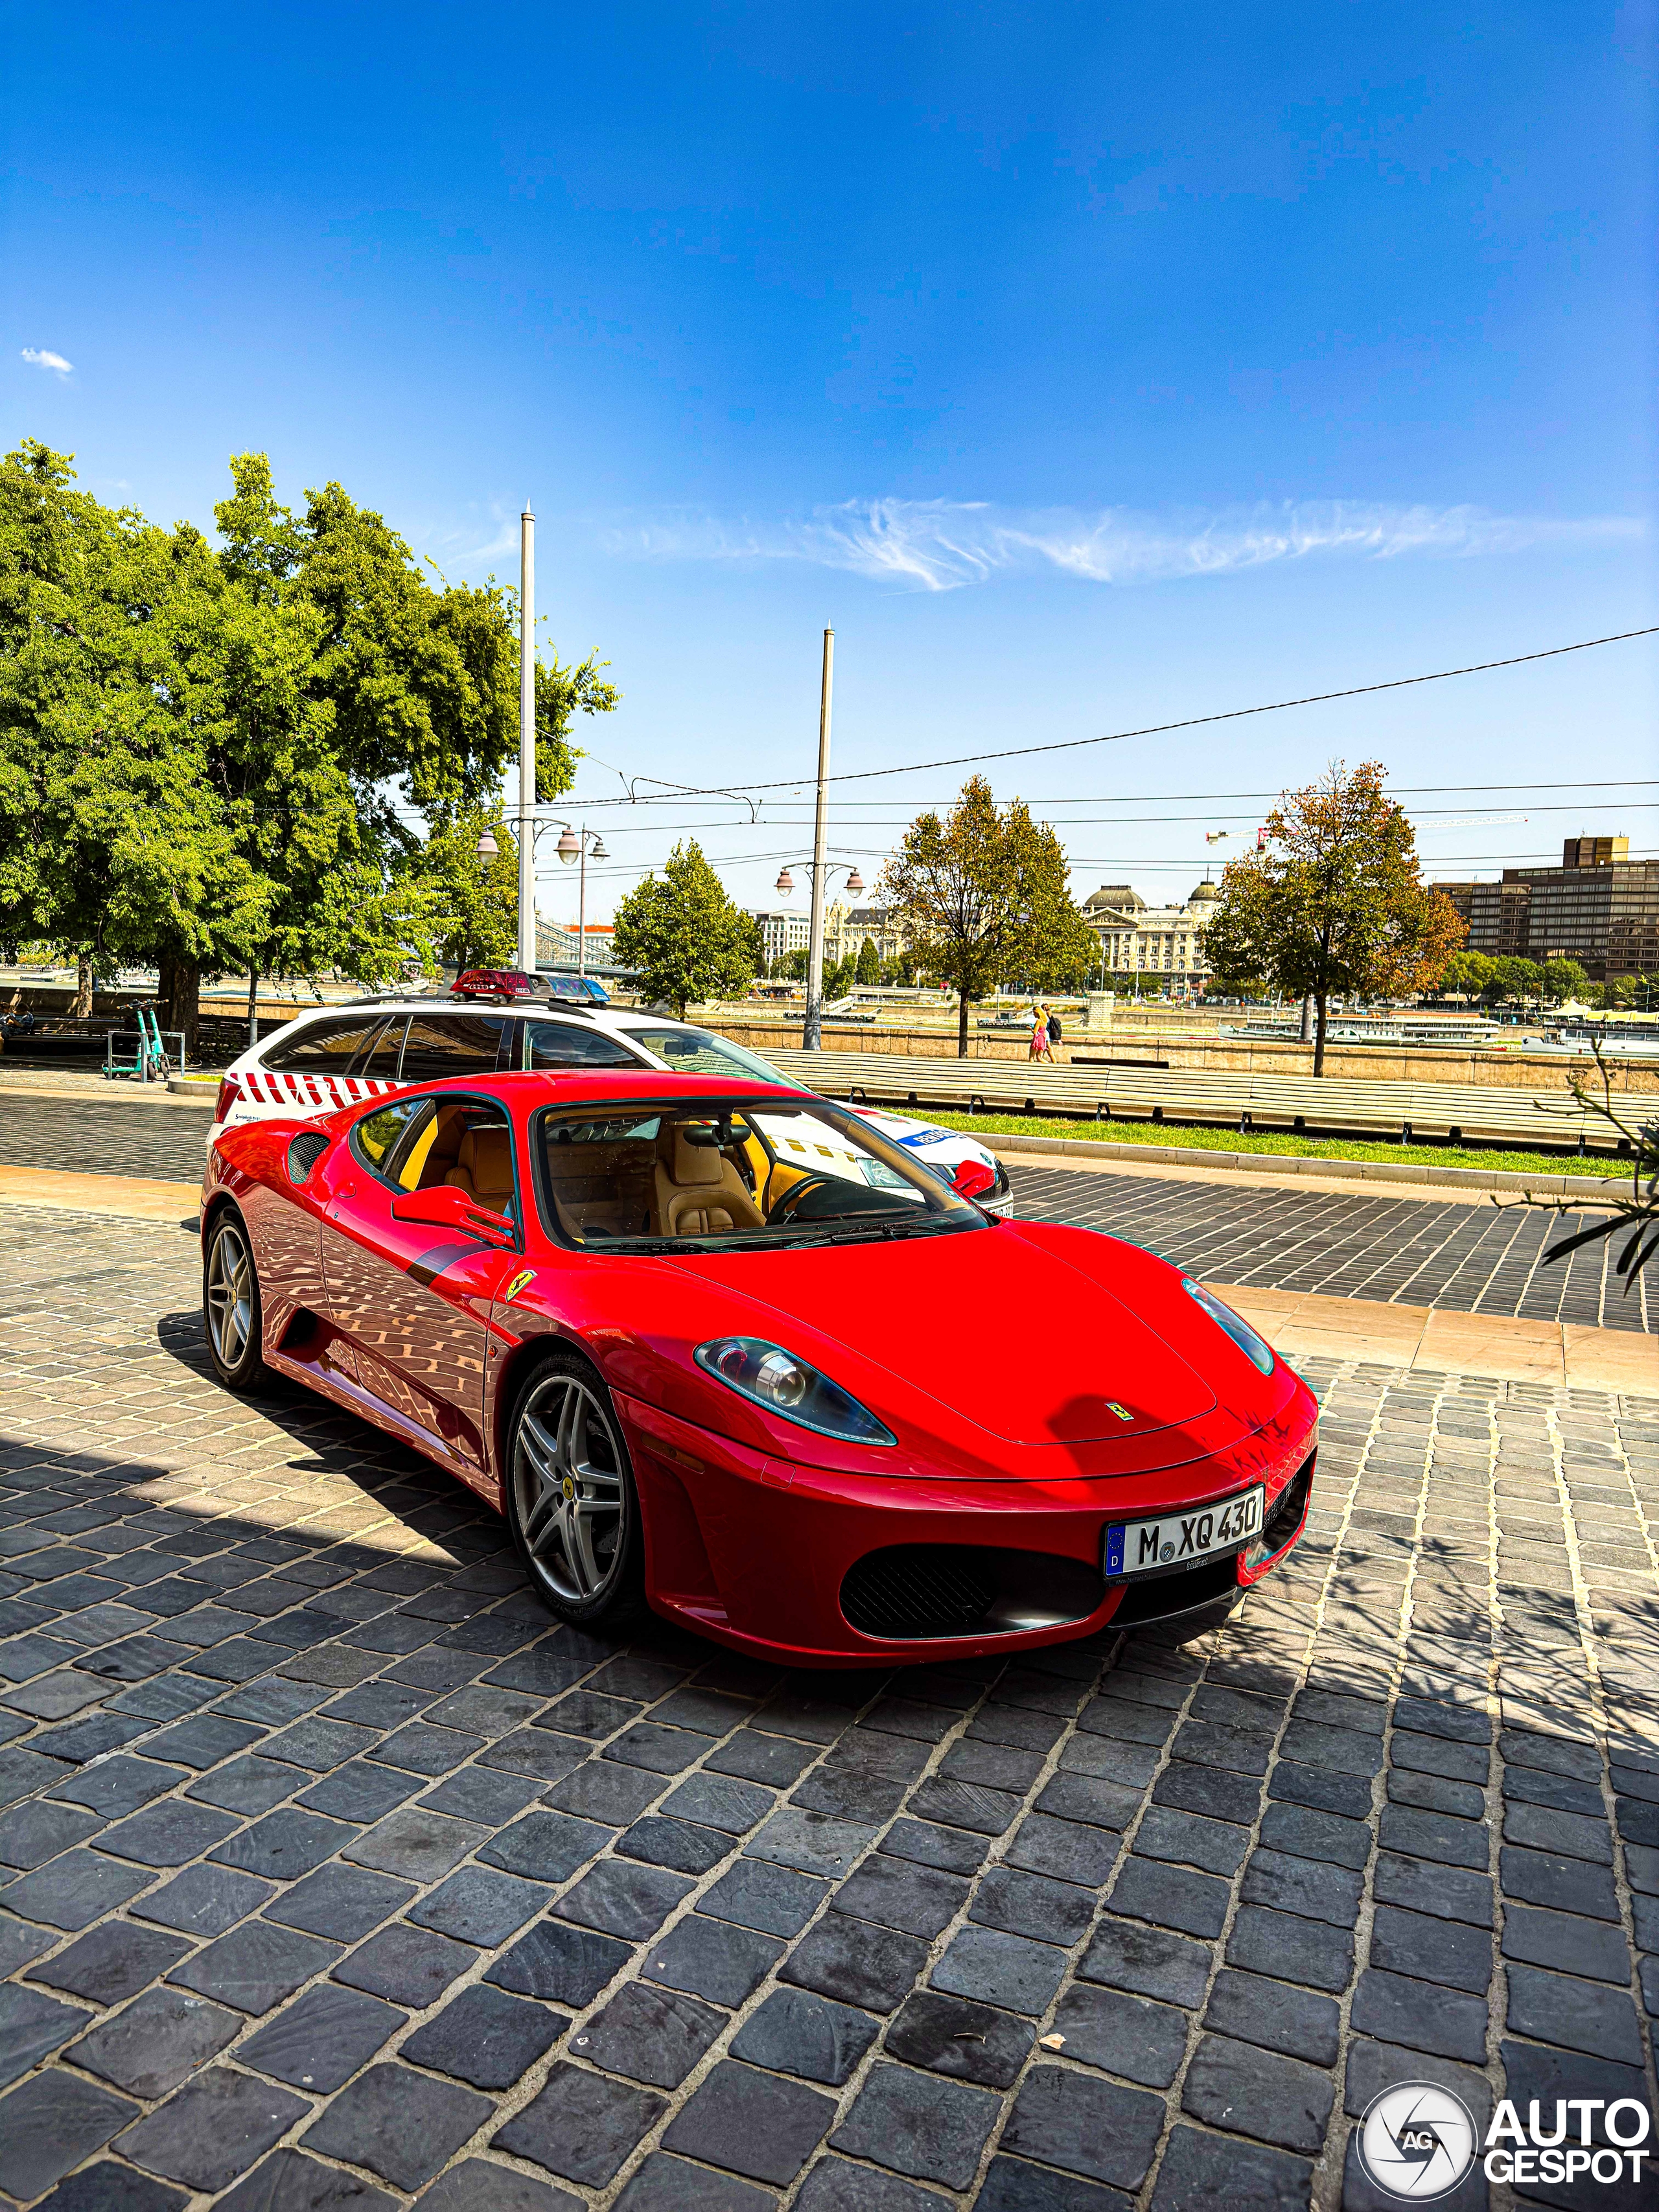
[
  {"x": 323, "y": 1047},
  {"x": 572, "y": 1044},
  {"x": 438, "y": 1045},
  {"x": 375, "y": 1139},
  {"x": 377, "y": 1061}
]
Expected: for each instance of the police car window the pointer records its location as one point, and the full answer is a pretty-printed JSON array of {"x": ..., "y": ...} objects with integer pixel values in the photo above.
[
  {"x": 377, "y": 1062},
  {"x": 452, "y": 1044},
  {"x": 324, "y": 1047},
  {"x": 572, "y": 1044},
  {"x": 376, "y": 1137},
  {"x": 700, "y": 1052}
]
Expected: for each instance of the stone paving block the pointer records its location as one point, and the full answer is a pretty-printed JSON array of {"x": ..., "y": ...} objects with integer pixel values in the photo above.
[
  {"x": 485, "y": 2037},
  {"x": 659, "y": 1840},
  {"x": 322, "y": 2038},
  {"x": 1000, "y": 1969},
  {"x": 480, "y": 1794},
  {"x": 720, "y": 1802},
  {"x": 406, "y": 1965},
  {"x": 772, "y": 1898},
  {"x": 580, "y": 2126},
  {"x": 256, "y": 1965},
  {"x": 651, "y": 2035},
  {"x": 560, "y": 1964},
  {"x": 50, "y": 2123},
  {"x": 856, "y": 1962},
  {"x": 1579, "y": 2016},
  {"x": 920, "y": 2125},
  {"x": 156, "y": 2043},
  {"x": 283, "y": 1845},
  {"x": 169, "y": 1834},
  {"x": 1212, "y": 1790},
  {"x": 1084, "y": 2125},
  {"x": 811, "y": 1843},
  {"x": 1258, "y": 2093},
  {"x": 750, "y": 2123},
  {"x": 1251, "y": 2009},
  {"x": 1563, "y": 1885},
  {"x": 620, "y": 1899},
  {"x": 119, "y": 1784},
  {"x": 1150, "y": 1961},
  {"x": 341, "y": 1902},
  {"x": 712, "y": 1960},
  {"x": 250, "y": 1783},
  {"x": 920, "y": 1900},
  {"x": 661, "y": 1750},
  {"x": 1125, "y": 2035},
  {"x": 1291, "y": 1948},
  {"x": 598, "y": 1790},
  {"x": 1064, "y": 1850},
  {"x": 1204, "y": 2170},
  {"x": 110, "y": 1962},
  {"x": 399, "y": 2124},
  {"x": 18, "y": 1943},
  {"x": 1429, "y": 1754},
  {"x": 31, "y": 2026},
  {"x": 1435, "y": 1836},
  {"x": 771, "y": 1760},
  {"x": 479, "y": 1906},
  {"x": 1171, "y": 1897},
  {"x": 212, "y": 2130},
  {"x": 109, "y": 2187},
  {"x": 479, "y": 2185},
  {"x": 663, "y": 2183},
  {"x": 72, "y": 1892},
  {"x": 38, "y": 1830},
  {"x": 1395, "y": 2008},
  {"x": 418, "y": 1846},
  {"x": 361, "y": 1792},
  {"x": 1433, "y": 1949},
  {"x": 1031, "y": 1905},
  {"x": 954, "y": 1851}
]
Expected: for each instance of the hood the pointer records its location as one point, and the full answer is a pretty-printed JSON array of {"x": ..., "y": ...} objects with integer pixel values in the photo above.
[{"x": 1002, "y": 1326}]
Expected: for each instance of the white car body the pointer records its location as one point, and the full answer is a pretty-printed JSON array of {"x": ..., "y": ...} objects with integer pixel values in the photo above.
[{"x": 338, "y": 1054}]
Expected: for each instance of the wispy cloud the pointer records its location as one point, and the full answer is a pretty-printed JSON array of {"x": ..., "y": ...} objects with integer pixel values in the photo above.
[
  {"x": 54, "y": 361},
  {"x": 939, "y": 545}
]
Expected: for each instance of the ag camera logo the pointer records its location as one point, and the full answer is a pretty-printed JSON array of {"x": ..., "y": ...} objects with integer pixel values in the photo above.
[{"x": 1417, "y": 2141}]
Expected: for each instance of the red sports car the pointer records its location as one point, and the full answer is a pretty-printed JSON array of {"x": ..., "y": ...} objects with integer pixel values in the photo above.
[{"x": 724, "y": 1350}]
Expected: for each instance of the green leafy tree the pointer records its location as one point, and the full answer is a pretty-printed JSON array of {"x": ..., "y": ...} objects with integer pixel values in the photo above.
[
  {"x": 683, "y": 936},
  {"x": 868, "y": 969},
  {"x": 1333, "y": 903},
  {"x": 1563, "y": 980},
  {"x": 981, "y": 896},
  {"x": 1466, "y": 975},
  {"x": 796, "y": 964},
  {"x": 1514, "y": 980}
]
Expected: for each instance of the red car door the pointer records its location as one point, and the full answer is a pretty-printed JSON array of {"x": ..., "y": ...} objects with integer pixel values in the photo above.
[{"x": 413, "y": 1301}]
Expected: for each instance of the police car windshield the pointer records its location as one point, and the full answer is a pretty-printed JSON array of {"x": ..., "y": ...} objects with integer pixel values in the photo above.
[{"x": 700, "y": 1052}]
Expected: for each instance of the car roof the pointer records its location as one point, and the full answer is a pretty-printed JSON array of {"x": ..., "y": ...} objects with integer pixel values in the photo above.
[
  {"x": 570, "y": 1010},
  {"x": 580, "y": 1086}
]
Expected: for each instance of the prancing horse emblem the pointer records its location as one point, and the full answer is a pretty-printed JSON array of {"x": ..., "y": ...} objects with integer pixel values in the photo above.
[
  {"x": 528, "y": 1275},
  {"x": 1122, "y": 1412}
]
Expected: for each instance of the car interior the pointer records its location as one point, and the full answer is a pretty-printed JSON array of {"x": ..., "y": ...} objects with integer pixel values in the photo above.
[
  {"x": 464, "y": 1144},
  {"x": 701, "y": 1174}
]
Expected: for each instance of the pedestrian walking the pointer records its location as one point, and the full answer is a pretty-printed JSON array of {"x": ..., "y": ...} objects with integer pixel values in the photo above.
[
  {"x": 1054, "y": 1030},
  {"x": 1041, "y": 1047}
]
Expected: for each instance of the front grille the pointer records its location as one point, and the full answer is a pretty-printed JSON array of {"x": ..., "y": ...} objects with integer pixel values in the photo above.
[
  {"x": 920, "y": 1589},
  {"x": 913, "y": 1590}
]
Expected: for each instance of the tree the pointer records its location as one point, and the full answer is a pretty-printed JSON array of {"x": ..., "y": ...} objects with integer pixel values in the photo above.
[
  {"x": 1514, "y": 978},
  {"x": 868, "y": 969},
  {"x": 683, "y": 936},
  {"x": 983, "y": 894},
  {"x": 1563, "y": 980},
  {"x": 1334, "y": 902},
  {"x": 1466, "y": 975},
  {"x": 796, "y": 964}
]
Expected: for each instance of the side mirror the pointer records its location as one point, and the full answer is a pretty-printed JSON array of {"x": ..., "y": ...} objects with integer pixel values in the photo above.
[{"x": 443, "y": 1207}]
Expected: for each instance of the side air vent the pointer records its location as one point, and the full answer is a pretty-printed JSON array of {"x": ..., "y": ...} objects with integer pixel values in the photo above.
[{"x": 304, "y": 1153}]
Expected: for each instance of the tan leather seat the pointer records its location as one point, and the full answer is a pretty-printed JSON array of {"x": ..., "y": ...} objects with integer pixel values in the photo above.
[
  {"x": 483, "y": 1167},
  {"x": 700, "y": 1194}
]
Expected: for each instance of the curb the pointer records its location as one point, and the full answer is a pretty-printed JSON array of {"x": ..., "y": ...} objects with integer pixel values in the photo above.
[
  {"x": 1595, "y": 1190},
  {"x": 194, "y": 1086}
]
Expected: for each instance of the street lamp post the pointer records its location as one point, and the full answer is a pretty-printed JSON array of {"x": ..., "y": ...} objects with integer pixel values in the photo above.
[
  {"x": 526, "y": 741},
  {"x": 820, "y": 873},
  {"x": 575, "y": 845},
  {"x": 812, "y": 1033}
]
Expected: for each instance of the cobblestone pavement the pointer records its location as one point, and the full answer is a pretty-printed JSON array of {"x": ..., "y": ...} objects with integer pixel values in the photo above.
[
  {"x": 336, "y": 1875},
  {"x": 1462, "y": 1256},
  {"x": 1465, "y": 1257}
]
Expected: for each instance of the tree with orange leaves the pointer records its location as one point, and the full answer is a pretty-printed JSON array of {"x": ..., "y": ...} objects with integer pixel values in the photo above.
[{"x": 1334, "y": 902}]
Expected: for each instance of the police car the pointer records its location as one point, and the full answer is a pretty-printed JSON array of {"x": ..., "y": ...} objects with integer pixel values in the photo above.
[{"x": 495, "y": 1020}]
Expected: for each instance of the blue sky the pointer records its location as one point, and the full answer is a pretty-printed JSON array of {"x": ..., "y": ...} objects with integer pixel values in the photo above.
[{"x": 1086, "y": 366}]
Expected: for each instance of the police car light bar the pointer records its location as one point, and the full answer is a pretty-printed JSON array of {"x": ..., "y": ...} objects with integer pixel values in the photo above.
[{"x": 496, "y": 983}]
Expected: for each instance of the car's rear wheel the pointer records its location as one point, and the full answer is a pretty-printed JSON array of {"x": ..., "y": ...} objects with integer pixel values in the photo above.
[
  {"x": 571, "y": 1503},
  {"x": 231, "y": 1307}
]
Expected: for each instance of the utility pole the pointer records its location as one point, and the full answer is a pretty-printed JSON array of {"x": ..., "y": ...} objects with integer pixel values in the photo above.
[
  {"x": 527, "y": 742},
  {"x": 812, "y": 1035}
]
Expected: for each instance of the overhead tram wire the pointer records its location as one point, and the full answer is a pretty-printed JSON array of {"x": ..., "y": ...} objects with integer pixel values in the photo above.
[{"x": 1163, "y": 729}]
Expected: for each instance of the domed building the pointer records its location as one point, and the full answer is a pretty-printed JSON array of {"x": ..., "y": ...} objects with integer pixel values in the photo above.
[{"x": 1162, "y": 943}]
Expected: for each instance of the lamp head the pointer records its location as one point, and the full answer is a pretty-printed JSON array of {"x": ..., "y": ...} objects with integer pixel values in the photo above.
[{"x": 568, "y": 846}]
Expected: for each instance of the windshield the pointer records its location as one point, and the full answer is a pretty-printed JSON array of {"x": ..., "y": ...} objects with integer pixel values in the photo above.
[
  {"x": 679, "y": 1176},
  {"x": 700, "y": 1052}
]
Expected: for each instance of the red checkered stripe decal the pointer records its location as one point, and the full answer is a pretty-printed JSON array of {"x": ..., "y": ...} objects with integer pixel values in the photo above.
[{"x": 313, "y": 1094}]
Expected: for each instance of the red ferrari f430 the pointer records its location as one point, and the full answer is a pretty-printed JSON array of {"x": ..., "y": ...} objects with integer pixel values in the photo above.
[{"x": 723, "y": 1350}]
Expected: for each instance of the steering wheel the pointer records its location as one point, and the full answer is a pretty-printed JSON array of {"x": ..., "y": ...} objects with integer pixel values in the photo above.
[{"x": 786, "y": 1207}]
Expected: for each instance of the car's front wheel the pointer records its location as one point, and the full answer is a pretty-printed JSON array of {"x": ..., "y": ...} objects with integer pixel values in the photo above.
[
  {"x": 231, "y": 1307},
  {"x": 571, "y": 1503}
]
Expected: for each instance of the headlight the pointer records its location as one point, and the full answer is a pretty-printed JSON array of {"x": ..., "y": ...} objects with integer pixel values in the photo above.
[
  {"x": 775, "y": 1378},
  {"x": 1256, "y": 1349}
]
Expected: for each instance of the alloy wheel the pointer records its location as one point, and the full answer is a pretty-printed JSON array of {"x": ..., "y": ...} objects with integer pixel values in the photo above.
[
  {"x": 230, "y": 1297},
  {"x": 568, "y": 1489}
]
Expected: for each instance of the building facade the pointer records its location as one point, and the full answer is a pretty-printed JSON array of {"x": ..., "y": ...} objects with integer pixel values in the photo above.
[
  {"x": 780, "y": 934},
  {"x": 846, "y": 927},
  {"x": 1166, "y": 941},
  {"x": 1599, "y": 908}
]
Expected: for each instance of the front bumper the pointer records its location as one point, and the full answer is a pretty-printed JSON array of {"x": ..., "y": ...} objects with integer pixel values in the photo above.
[{"x": 799, "y": 1564}]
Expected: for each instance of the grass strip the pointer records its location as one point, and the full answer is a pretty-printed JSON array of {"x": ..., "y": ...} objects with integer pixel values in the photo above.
[{"x": 1271, "y": 1141}]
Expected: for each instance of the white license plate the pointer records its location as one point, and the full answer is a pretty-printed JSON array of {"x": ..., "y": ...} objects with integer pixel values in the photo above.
[{"x": 1175, "y": 1539}]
